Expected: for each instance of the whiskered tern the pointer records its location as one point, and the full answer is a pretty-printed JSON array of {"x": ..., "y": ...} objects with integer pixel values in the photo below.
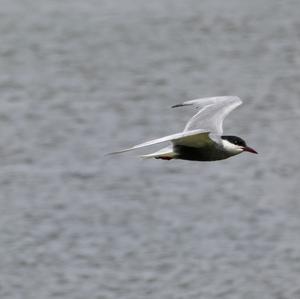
[{"x": 202, "y": 138}]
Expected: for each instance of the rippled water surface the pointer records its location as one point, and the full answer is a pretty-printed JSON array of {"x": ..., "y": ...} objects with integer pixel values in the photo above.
[{"x": 81, "y": 78}]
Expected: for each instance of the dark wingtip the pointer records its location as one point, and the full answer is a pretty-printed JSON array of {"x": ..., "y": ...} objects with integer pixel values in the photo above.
[
  {"x": 113, "y": 153},
  {"x": 109, "y": 154},
  {"x": 178, "y": 105},
  {"x": 181, "y": 105}
]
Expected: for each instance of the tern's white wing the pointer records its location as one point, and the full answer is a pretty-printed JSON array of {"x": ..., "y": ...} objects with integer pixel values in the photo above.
[
  {"x": 194, "y": 138},
  {"x": 211, "y": 114}
]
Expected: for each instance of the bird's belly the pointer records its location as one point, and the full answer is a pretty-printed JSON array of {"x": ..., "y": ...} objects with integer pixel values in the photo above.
[{"x": 206, "y": 153}]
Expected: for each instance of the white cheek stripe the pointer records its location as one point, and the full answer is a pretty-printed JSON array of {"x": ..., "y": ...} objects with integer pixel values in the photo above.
[{"x": 231, "y": 148}]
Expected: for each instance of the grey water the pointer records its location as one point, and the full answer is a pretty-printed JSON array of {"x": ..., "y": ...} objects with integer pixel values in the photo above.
[{"x": 82, "y": 78}]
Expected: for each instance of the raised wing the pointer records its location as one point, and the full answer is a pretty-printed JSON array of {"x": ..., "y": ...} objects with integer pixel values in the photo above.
[
  {"x": 211, "y": 114},
  {"x": 194, "y": 138}
]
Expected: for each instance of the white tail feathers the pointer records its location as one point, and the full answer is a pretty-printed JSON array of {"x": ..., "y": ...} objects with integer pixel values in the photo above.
[{"x": 165, "y": 153}]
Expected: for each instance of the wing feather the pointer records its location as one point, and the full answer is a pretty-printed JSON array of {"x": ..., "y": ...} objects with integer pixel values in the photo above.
[
  {"x": 194, "y": 138},
  {"x": 212, "y": 113}
]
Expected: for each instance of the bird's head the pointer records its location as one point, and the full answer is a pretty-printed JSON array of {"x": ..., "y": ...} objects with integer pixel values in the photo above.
[{"x": 236, "y": 145}]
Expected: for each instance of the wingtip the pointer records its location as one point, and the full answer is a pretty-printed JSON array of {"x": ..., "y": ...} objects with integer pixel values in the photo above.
[
  {"x": 177, "y": 105},
  {"x": 115, "y": 153},
  {"x": 180, "y": 105},
  {"x": 109, "y": 154}
]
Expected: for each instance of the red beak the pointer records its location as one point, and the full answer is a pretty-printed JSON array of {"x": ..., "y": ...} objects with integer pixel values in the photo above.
[{"x": 249, "y": 149}]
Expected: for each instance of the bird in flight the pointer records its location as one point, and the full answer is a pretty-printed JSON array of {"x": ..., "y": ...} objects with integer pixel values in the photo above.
[{"x": 202, "y": 138}]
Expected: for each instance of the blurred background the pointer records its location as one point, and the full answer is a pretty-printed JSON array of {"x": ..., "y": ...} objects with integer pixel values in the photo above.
[{"x": 82, "y": 78}]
